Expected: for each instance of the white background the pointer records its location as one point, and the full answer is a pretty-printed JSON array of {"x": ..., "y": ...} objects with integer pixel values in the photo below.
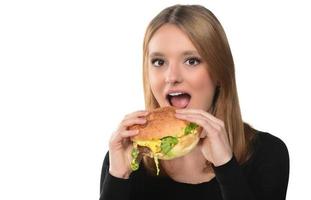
[{"x": 70, "y": 71}]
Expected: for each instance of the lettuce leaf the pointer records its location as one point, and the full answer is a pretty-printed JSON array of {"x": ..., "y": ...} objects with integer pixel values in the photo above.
[
  {"x": 167, "y": 143},
  {"x": 190, "y": 128},
  {"x": 134, "y": 162}
]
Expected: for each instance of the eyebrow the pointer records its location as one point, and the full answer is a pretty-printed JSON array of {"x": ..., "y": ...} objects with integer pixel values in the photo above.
[
  {"x": 185, "y": 53},
  {"x": 155, "y": 54}
]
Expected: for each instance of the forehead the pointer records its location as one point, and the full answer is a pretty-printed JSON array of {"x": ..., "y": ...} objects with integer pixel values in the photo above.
[{"x": 170, "y": 39}]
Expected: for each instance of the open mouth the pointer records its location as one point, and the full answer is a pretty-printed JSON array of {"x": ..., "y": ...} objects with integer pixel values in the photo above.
[{"x": 178, "y": 99}]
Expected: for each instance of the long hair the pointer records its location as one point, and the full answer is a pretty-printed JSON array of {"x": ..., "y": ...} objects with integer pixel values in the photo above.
[{"x": 208, "y": 36}]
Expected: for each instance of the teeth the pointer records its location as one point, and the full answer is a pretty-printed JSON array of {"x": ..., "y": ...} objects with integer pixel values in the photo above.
[{"x": 175, "y": 93}]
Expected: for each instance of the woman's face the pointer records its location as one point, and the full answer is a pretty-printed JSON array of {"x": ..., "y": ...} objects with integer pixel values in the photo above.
[{"x": 178, "y": 75}]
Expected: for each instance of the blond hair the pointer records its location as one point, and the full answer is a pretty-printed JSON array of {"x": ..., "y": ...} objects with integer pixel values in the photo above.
[{"x": 208, "y": 36}]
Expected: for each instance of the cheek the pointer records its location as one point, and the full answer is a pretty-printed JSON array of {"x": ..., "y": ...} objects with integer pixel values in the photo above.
[
  {"x": 206, "y": 85},
  {"x": 152, "y": 80},
  {"x": 203, "y": 87},
  {"x": 155, "y": 82},
  {"x": 203, "y": 82}
]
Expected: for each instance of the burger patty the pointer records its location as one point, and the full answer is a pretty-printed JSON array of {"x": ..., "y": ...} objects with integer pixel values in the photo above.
[{"x": 143, "y": 150}]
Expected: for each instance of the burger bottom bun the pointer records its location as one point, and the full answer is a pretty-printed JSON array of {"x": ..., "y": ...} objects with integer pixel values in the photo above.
[{"x": 185, "y": 145}]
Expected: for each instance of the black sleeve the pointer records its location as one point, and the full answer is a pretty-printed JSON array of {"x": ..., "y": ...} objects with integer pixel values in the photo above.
[
  {"x": 268, "y": 180},
  {"x": 232, "y": 182},
  {"x": 112, "y": 188}
]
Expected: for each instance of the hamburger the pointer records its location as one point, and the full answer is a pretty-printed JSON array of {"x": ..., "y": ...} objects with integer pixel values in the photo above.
[{"x": 163, "y": 136}]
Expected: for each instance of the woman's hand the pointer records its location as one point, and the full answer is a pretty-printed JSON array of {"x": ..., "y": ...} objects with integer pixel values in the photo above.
[
  {"x": 214, "y": 144},
  {"x": 120, "y": 145}
]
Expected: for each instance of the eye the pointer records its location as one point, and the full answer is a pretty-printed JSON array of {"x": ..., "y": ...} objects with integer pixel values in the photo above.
[
  {"x": 157, "y": 62},
  {"x": 193, "y": 61}
]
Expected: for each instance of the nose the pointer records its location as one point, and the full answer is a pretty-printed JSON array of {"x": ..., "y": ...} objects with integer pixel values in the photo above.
[{"x": 173, "y": 74}]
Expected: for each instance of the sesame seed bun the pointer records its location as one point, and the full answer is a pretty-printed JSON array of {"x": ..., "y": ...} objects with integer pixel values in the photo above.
[{"x": 161, "y": 123}]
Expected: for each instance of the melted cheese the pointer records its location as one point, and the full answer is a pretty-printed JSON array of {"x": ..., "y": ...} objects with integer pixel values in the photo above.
[{"x": 156, "y": 161}]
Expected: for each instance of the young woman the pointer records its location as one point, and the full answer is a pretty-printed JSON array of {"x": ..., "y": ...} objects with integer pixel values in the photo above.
[{"x": 188, "y": 65}]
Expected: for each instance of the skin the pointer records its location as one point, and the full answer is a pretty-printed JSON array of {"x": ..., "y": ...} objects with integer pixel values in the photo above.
[
  {"x": 175, "y": 64},
  {"x": 120, "y": 146}
]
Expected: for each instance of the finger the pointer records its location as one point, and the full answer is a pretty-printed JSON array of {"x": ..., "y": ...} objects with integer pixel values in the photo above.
[
  {"x": 200, "y": 112},
  {"x": 127, "y": 119},
  {"x": 203, "y": 134},
  {"x": 133, "y": 121},
  {"x": 141, "y": 113},
  {"x": 119, "y": 136},
  {"x": 127, "y": 134},
  {"x": 206, "y": 125},
  {"x": 188, "y": 116}
]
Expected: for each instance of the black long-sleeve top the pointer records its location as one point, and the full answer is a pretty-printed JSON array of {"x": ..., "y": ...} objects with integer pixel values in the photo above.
[{"x": 263, "y": 177}]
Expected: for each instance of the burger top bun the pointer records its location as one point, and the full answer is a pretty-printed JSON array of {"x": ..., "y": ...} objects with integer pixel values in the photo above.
[{"x": 161, "y": 122}]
